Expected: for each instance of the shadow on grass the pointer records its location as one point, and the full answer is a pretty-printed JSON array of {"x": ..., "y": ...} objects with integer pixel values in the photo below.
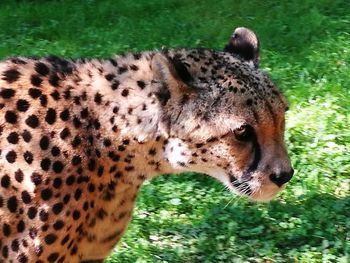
[{"x": 285, "y": 232}]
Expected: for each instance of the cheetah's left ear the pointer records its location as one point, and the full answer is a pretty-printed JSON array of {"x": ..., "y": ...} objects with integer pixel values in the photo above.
[
  {"x": 173, "y": 73},
  {"x": 244, "y": 44}
]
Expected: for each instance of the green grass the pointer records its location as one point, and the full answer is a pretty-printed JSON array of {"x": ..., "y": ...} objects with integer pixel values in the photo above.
[{"x": 191, "y": 218}]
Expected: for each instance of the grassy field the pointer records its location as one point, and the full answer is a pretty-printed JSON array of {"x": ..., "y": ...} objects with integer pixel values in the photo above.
[{"x": 191, "y": 218}]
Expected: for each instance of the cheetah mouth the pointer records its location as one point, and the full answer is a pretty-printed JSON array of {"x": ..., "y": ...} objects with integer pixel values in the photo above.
[{"x": 242, "y": 186}]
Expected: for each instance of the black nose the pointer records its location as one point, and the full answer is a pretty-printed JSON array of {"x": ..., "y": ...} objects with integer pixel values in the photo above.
[{"x": 281, "y": 178}]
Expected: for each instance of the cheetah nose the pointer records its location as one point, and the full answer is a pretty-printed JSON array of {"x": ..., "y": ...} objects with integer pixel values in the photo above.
[{"x": 281, "y": 178}]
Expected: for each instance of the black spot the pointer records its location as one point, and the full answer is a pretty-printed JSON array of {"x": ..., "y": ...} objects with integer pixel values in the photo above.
[
  {"x": 114, "y": 157},
  {"x": 84, "y": 113},
  {"x": 64, "y": 115},
  {"x": 26, "y": 197},
  {"x": 50, "y": 116},
  {"x": 44, "y": 143},
  {"x": 141, "y": 84},
  {"x": 21, "y": 226},
  {"x": 57, "y": 208},
  {"x": 65, "y": 240},
  {"x": 22, "y": 105},
  {"x": 77, "y": 194},
  {"x": 57, "y": 182},
  {"x": 43, "y": 215},
  {"x": 100, "y": 171},
  {"x": 32, "y": 121},
  {"x": 22, "y": 258},
  {"x": 91, "y": 188},
  {"x": 98, "y": 98},
  {"x": 125, "y": 92},
  {"x": 10, "y": 75},
  {"x": 32, "y": 211},
  {"x": 121, "y": 148},
  {"x": 12, "y": 138},
  {"x": 12, "y": 204},
  {"x": 34, "y": 93},
  {"x": 5, "y": 181},
  {"x": 76, "y": 214},
  {"x": 107, "y": 142},
  {"x": 6, "y": 229},
  {"x": 110, "y": 77},
  {"x": 28, "y": 157},
  {"x": 91, "y": 164},
  {"x": 19, "y": 175},
  {"x": 76, "y": 141},
  {"x": 76, "y": 160},
  {"x": 57, "y": 166},
  {"x": 115, "y": 84},
  {"x": 70, "y": 180},
  {"x": 55, "y": 95},
  {"x": 152, "y": 151},
  {"x": 43, "y": 100},
  {"x": 45, "y": 164},
  {"x": 5, "y": 252},
  {"x": 74, "y": 250},
  {"x": 122, "y": 69},
  {"x": 67, "y": 94},
  {"x": 64, "y": 133},
  {"x": 36, "y": 80},
  {"x": 129, "y": 168},
  {"x": 53, "y": 257},
  {"x": 66, "y": 198},
  {"x": 134, "y": 67},
  {"x": 59, "y": 224},
  {"x": 11, "y": 156},
  {"x": 18, "y": 61},
  {"x": 76, "y": 122},
  {"x": 54, "y": 80},
  {"x": 41, "y": 68},
  {"x": 55, "y": 151},
  {"x": 50, "y": 239},
  {"x": 26, "y": 136},
  {"x": 97, "y": 124},
  {"x": 7, "y": 93},
  {"x": 15, "y": 245},
  {"x": 11, "y": 117},
  {"x": 114, "y": 63},
  {"x": 46, "y": 194},
  {"x": 249, "y": 102},
  {"x": 36, "y": 178}
]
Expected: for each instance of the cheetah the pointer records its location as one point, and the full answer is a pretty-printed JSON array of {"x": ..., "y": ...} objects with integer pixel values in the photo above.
[{"x": 79, "y": 137}]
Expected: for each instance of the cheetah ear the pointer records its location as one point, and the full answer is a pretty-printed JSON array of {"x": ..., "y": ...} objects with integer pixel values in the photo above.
[
  {"x": 244, "y": 44},
  {"x": 173, "y": 74},
  {"x": 174, "y": 88}
]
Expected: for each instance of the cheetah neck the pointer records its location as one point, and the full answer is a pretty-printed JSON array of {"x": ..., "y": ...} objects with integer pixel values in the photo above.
[{"x": 126, "y": 116}]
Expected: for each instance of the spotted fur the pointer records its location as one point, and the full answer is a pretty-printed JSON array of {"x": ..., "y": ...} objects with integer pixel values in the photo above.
[{"x": 79, "y": 137}]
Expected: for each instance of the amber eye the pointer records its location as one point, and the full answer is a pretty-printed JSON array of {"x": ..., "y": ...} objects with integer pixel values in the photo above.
[{"x": 244, "y": 133}]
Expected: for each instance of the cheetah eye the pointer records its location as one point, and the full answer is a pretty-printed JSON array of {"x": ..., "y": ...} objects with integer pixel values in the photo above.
[{"x": 244, "y": 133}]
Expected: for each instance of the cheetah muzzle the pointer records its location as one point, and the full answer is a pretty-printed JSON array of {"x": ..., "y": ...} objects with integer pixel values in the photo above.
[{"x": 79, "y": 137}]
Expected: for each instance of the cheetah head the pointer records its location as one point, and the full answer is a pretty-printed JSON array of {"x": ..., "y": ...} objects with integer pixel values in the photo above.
[{"x": 224, "y": 117}]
